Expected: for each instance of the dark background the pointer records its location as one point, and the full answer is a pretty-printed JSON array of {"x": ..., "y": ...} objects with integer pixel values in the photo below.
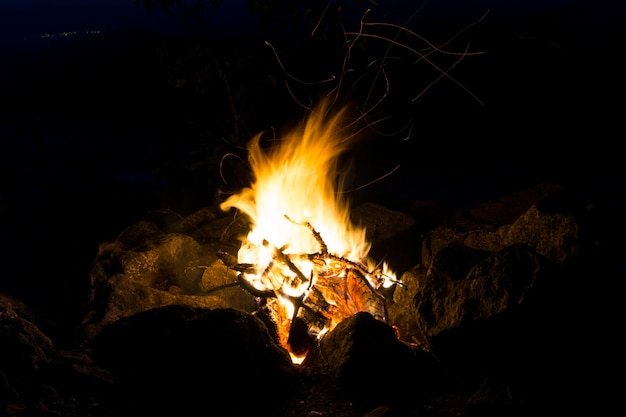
[{"x": 110, "y": 113}]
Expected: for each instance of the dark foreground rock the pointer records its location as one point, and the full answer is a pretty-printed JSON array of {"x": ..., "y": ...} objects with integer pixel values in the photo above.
[
  {"x": 511, "y": 308},
  {"x": 180, "y": 360}
]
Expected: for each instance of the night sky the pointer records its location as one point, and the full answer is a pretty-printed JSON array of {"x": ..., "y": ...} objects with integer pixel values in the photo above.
[{"x": 20, "y": 19}]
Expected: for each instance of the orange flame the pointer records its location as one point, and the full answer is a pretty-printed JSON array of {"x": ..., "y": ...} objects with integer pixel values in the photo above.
[{"x": 296, "y": 183}]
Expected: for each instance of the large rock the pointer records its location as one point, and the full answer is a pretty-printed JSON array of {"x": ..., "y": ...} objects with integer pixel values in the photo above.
[
  {"x": 179, "y": 360},
  {"x": 464, "y": 285},
  {"x": 472, "y": 271},
  {"x": 152, "y": 265},
  {"x": 364, "y": 356}
]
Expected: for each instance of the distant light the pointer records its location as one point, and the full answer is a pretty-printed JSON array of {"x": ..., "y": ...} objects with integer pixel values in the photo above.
[{"x": 67, "y": 34}]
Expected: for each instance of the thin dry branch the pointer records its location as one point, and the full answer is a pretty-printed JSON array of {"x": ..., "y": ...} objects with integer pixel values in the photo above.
[
  {"x": 445, "y": 74},
  {"x": 315, "y": 233}
]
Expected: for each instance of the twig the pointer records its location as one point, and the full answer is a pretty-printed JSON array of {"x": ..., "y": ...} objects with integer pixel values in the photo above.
[
  {"x": 284, "y": 258},
  {"x": 315, "y": 233}
]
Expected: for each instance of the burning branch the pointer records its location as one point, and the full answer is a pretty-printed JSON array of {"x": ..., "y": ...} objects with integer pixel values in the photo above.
[
  {"x": 336, "y": 288},
  {"x": 315, "y": 233},
  {"x": 280, "y": 256}
]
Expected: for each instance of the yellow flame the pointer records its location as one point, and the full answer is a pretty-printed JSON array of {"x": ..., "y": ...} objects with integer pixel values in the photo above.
[
  {"x": 300, "y": 179},
  {"x": 295, "y": 194}
]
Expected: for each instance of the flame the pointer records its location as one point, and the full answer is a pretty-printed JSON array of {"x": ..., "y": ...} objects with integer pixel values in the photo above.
[{"x": 295, "y": 206}]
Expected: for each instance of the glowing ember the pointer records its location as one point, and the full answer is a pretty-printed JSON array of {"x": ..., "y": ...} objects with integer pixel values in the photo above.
[{"x": 303, "y": 256}]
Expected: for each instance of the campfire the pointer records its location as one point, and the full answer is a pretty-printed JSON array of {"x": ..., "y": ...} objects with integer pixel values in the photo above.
[{"x": 303, "y": 259}]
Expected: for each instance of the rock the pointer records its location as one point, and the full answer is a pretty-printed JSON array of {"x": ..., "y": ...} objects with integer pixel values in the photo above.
[
  {"x": 507, "y": 209},
  {"x": 374, "y": 368},
  {"x": 147, "y": 267},
  {"x": 464, "y": 231},
  {"x": 402, "y": 310},
  {"x": 549, "y": 228},
  {"x": 212, "y": 224},
  {"x": 380, "y": 412},
  {"x": 38, "y": 378},
  {"x": 180, "y": 360},
  {"x": 120, "y": 297},
  {"x": 464, "y": 285},
  {"x": 393, "y": 235},
  {"x": 26, "y": 349},
  {"x": 13, "y": 308},
  {"x": 429, "y": 214}
]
